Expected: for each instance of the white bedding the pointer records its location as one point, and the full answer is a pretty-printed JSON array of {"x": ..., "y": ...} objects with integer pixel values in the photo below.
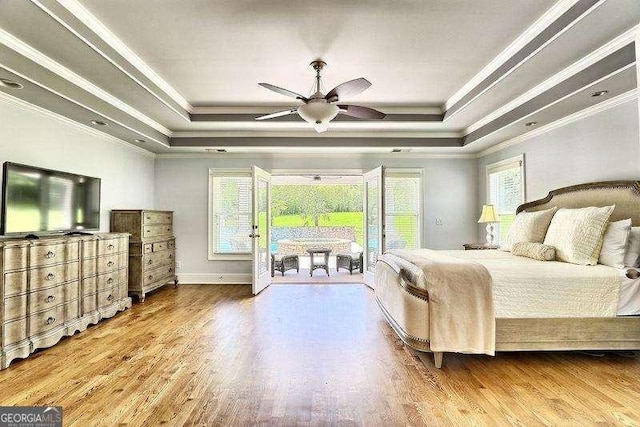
[{"x": 526, "y": 288}]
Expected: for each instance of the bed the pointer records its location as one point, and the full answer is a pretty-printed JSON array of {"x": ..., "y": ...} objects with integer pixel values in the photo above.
[{"x": 603, "y": 318}]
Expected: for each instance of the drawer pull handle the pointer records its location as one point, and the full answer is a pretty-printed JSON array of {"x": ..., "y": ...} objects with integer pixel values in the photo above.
[
  {"x": 110, "y": 247},
  {"x": 110, "y": 264},
  {"x": 170, "y": 270},
  {"x": 110, "y": 297},
  {"x": 50, "y": 276},
  {"x": 148, "y": 217},
  {"x": 170, "y": 256},
  {"x": 147, "y": 231},
  {"x": 50, "y": 320},
  {"x": 50, "y": 255},
  {"x": 109, "y": 280},
  {"x": 50, "y": 298},
  {"x": 150, "y": 277},
  {"x": 168, "y": 228},
  {"x": 150, "y": 262}
]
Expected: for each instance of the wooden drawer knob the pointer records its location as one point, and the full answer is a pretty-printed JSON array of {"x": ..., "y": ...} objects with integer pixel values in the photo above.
[
  {"x": 50, "y": 254},
  {"x": 110, "y": 264},
  {"x": 50, "y": 320},
  {"x": 150, "y": 262},
  {"x": 110, "y": 297},
  {"x": 109, "y": 280},
  {"x": 110, "y": 247},
  {"x": 50, "y": 276},
  {"x": 50, "y": 298}
]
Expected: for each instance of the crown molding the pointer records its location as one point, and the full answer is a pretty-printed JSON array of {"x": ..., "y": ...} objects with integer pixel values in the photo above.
[
  {"x": 180, "y": 110},
  {"x": 55, "y": 67},
  {"x": 12, "y": 100},
  {"x": 547, "y": 19},
  {"x": 311, "y": 134},
  {"x": 266, "y": 154},
  {"x": 86, "y": 17},
  {"x": 595, "y": 109},
  {"x": 602, "y": 52},
  {"x": 436, "y": 110}
]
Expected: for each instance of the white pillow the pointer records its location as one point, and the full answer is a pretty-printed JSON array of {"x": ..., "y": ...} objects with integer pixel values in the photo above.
[
  {"x": 614, "y": 244},
  {"x": 528, "y": 227},
  {"x": 632, "y": 255},
  {"x": 577, "y": 234}
]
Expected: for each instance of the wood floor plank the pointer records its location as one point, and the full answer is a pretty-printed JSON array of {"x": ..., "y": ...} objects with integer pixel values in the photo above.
[{"x": 303, "y": 355}]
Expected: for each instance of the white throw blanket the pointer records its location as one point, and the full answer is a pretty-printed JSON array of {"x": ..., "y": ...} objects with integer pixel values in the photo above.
[{"x": 461, "y": 309}]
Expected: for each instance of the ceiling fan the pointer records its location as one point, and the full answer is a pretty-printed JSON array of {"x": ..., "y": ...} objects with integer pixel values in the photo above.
[{"x": 320, "y": 109}]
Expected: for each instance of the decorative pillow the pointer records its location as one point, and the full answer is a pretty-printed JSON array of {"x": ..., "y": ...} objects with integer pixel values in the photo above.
[
  {"x": 534, "y": 250},
  {"x": 577, "y": 234},
  {"x": 529, "y": 227},
  {"x": 614, "y": 243},
  {"x": 632, "y": 256}
]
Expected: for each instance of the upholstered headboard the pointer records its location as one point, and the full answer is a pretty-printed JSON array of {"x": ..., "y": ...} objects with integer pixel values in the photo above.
[{"x": 624, "y": 194}]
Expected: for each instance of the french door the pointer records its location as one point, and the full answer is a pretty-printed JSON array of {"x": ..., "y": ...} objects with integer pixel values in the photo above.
[
  {"x": 261, "y": 232},
  {"x": 374, "y": 229}
]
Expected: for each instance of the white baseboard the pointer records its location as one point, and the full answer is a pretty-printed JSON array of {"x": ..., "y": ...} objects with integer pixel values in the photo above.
[{"x": 215, "y": 278}]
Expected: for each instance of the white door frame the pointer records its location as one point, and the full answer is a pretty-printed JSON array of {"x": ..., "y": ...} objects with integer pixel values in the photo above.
[
  {"x": 373, "y": 176},
  {"x": 261, "y": 277}
]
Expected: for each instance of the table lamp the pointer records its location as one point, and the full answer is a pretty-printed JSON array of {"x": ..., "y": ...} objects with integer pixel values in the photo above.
[{"x": 489, "y": 217}]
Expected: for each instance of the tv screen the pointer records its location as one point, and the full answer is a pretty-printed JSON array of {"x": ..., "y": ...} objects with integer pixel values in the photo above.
[{"x": 36, "y": 200}]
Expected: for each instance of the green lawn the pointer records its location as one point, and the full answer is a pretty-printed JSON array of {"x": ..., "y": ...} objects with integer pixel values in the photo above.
[{"x": 335, "y": 219}]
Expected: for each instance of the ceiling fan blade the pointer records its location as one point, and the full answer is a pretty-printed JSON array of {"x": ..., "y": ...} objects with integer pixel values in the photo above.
[
  {"x": 278, "y": 114},
  {"x": 284, "y": 92},
  {"x": 347, "y": 89},
  {"x": 361, "y": 112}
]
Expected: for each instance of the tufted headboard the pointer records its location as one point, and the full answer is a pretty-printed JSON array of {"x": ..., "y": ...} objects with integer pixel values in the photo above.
[{"x": 624, "y": 194}]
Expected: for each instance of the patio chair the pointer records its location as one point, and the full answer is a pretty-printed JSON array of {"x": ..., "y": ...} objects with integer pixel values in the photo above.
[
  {"x": 283, "y": 263},
  {"x": 350, "y": 261}
]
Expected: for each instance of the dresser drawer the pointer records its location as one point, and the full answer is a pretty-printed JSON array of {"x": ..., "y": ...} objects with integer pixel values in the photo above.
[
  {"x": 157, "y": 230},
  {"x": 15, "y": 258},
  {"x": 54, "y": 275},
  {"x": 15, "y": 307},
  {"x": 157, "y": 274},
  {"x": 53, "y": 254},
  {"x": 157, "y": 259},
  {"x": 56, "y": 316},
  {"x": 15, "y": 283},
  {"x": 159, "y": 246},
  {"x": 90, "y": 285},
  {"x": 14, "y": 331},
  {"x": 110, "y": 279},
  {"x": 157, "y": 218},
  {"x": 110, "y": 246},
  {"x": 108, "y": 296},
  {"x": 147, "y": 248},
  {"x": 111, "y": 262},
  {"x": 45, "y": 299}
]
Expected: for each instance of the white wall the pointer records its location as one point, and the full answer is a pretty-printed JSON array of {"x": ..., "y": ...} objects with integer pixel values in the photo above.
[
  {"x": 601, "y": 147},
  {"x": 450, "y": 192},
  {"x": 39, "y": 139}
]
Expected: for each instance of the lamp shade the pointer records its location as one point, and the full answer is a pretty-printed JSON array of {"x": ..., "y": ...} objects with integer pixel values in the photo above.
[
  {"x": 488, "y": 214},
  {"x": 319, "y": 114}
]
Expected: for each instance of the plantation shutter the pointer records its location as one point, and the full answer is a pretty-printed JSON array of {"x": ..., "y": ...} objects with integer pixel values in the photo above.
[
  {"x": 231, "y": 212},
  {"x": 506, "y": 192},
  {"x": 403, "y": 213}
]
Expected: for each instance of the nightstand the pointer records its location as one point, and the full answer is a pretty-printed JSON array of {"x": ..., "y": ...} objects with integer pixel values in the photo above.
[{"x": 478, "y": 246}]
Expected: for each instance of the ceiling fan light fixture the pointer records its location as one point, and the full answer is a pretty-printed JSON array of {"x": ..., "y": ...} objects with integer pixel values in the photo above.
[{"x": 319, "y": 114}]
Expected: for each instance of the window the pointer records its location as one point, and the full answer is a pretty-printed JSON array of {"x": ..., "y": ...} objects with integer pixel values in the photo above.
[
  {"x": 230, "y": 213},
  {"x": 505, "y": 188},
  {"x": 403, "y": 208}
]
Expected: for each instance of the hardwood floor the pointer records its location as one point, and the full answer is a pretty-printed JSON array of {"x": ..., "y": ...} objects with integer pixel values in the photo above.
[{"x": 316, "y": 354}]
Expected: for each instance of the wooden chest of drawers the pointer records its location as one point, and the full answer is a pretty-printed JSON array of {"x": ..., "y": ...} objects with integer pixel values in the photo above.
[
  {"x": 55, "y": 286},
  {"x": 152, "y": 262}
]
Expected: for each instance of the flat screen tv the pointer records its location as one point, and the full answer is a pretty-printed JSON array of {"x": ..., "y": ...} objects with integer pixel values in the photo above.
[{"x": 37, "y": 200}]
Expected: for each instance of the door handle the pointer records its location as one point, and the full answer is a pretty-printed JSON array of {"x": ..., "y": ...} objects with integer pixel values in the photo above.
[{"x": 252, "y": 235}]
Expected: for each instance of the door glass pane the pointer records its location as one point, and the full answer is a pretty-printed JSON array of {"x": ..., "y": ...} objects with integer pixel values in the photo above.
[
  {"x": 373, "y": 230},
  {"x": 263, "y": 198}
]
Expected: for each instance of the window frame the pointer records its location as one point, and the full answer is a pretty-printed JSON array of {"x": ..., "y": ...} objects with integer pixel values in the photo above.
[
  {"x": 411, "y": 173},
  {"x": 215, "y": 173},
  {"x": 503, "y": 165}
]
